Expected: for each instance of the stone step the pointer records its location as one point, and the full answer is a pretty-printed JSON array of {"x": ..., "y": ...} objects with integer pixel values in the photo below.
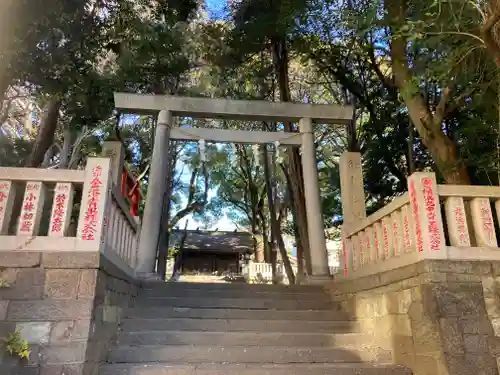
[
  {"x": 194, "y": 292},
  {"x": 238, "y": 303},
  {"x": 306, "y": 289},
  {"x": 234, "y": 325},
  {"x": 345, "y": 340},
  {"x": 243, "y": 354},
  {"x": 254, "y": 369},
  {"x": 188, "y": 312}
]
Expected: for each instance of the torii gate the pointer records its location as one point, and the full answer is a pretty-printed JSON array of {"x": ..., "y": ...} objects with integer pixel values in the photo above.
[{"x": 170, "y": 106}]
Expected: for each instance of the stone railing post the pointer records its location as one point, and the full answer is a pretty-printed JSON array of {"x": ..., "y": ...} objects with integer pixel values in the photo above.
[
  {"x": 353, "y": 204},
  {"x": 428, "y": 222},
  {"x": 95, "y": 205},
  {"x": 7, "y": 196},
  {"x": 62, "y": 205},
  {"x": 456, "y": 222},
  {"x": 351, "y": 188},
  {"x": 31, "y": 209},
  {"x": 116, "y": 152}
]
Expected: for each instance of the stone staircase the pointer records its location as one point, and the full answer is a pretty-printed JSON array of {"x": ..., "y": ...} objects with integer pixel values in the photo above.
[{"x": 242, "y": 329}]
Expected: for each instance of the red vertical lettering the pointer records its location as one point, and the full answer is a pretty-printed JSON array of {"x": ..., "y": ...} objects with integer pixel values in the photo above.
[{"x": 416, "y": 215}]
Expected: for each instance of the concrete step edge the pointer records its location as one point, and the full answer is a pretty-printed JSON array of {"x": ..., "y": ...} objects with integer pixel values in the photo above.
[
  {"x": 240, "y": 325},
  {"x": 153, "y": 368},
  {"x": 242, "y": 286},
  {"x": 245, "y": 289},
  {"x": 239, "y": 285},
  {"x": 254, "y": 365},
  {"x": 222, "y": 296},
  {"x": 223, "y": 348},
  {"x": 140, "y": 314},
  {"x": 245, "y": 354},
  {"x": 237, "y": 304},
  {"x": 252, "y": 296},
  {"x": 246, "y": 338},
  {"x": 290, "y": 321},
  {"x": 273, "y": 301},
  {"x": 233, "y": 333},
  {"x": 178, "y": 308},
  {"x": 232, "y": 313},
  {"x": 293, "y": 369}
]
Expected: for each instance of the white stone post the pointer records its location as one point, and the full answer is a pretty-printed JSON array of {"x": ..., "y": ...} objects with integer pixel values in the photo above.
[
  {"x": 428, "y": 224},
  {"x": 7, "y": 196},
  {"x": 456, "y": 220},
  {"x": 93, "y": 221},
  {"x": 408, "y": 228},
  {"x": 116, "y": 152},
  {"x": 482, "y": 222},
  {"x": 62, "y": 204},
  {"x": 31, "y": 210},
  {"x": 157, "y": 185},
  {"x": 371, "y": 250},
  {"x": 315, "y": 226},
  {"x": 378, "y": 241},
  {"x": 344, "y": 256},
  {"x": 351, "y": 188},
  {"x": 397, "y": 233},
  {"x": 387, "y": 237}
]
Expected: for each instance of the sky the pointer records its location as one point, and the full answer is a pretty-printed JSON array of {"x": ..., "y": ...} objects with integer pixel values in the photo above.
[{"x": 215, "y": 10}]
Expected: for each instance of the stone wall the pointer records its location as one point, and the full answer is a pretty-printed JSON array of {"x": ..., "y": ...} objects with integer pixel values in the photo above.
[
  {"x": 434, "y": 315},
  {"x": 67, "y": 304}
]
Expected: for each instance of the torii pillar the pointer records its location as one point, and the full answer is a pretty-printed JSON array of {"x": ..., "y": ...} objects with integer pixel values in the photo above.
[
  {"x": 314, "y": 213},
  {"x": 157, "y": 186}
]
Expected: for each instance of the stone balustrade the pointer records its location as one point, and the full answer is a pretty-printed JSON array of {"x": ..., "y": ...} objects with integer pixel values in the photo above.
[
  {"x": 263, "y": 272},
  {"x": 67, "y": 210},
  {"x": 430, "y": 221}
]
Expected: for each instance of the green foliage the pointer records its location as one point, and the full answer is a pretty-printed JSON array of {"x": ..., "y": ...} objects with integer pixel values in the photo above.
[
  {"x": 4, "y": 284},
  {"x": 16, "y": 346},
  {"x": 337, "y": 52}
]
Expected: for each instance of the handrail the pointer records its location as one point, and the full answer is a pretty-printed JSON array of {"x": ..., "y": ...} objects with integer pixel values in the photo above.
[
  {"x": 45, "y": 175},
  {"x": 378, "y": 215},
  {"x": 468, "y": 191},
  {"x": 120, "y": 200}
]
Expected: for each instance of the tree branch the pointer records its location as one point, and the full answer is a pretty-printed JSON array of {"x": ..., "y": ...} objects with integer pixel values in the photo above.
[
  {"x": 487, "y": 33},
  {"x": 441, "y": 108}
]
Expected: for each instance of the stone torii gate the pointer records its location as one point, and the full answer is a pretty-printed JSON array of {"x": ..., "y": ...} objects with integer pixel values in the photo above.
[{"x": 170, "y": 106}]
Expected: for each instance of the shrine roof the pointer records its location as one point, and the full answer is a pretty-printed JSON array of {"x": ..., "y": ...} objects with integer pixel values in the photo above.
[{"x": 227, "y": 242}]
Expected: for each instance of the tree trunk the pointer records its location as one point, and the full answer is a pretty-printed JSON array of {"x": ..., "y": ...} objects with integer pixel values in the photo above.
[
  {"x": 65, "y": 154},
  {"x": 4, "y": 86},
  {"x": 277, "y": 239},
  {"x": 489, "y": 30},
  {"x": 302, "y": 260},
  {"x": 350, "y": 128},
  {"x": 265, "y": 238},
  {"x": 428, "y": 123},
  {"x": 51, "y": 152},
  {"x": 253, "y": 196},
  {"x": 296, "y": 180},
  {"x": 259, "y": 247},
  {"x": 410, "y": 156},
  {"x": 179, "y": 256},
  {"x": 46, "y": 132},
  {"x": 165, "y": 227}
]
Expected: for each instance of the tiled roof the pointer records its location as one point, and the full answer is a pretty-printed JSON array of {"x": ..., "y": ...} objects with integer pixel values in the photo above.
[{"x": 227, "y": 242}]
